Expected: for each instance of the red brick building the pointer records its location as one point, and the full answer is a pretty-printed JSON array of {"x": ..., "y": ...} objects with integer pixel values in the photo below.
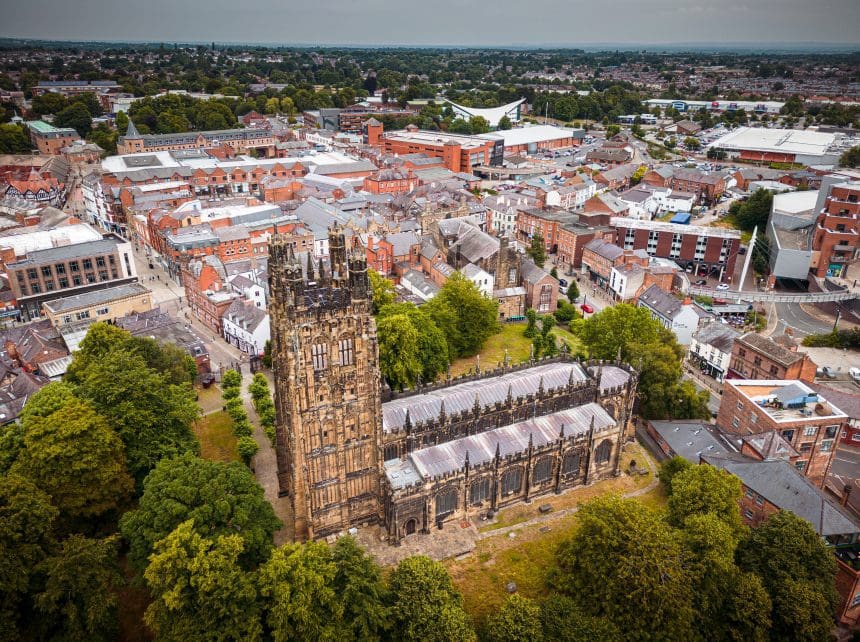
[
  {"x": 546, "y": 221},
  {"x": 459, "y": 152},
  {"x": 802, "y": 417},
  {"x": 758, "y": 357},
  {"x": 707, "y": 187},
  {"x": 49, "y": 139},
  {"x": 836, "y": 232},
  {"x": 205, "y": 281},
  {"x": 712, "y": 250},
  {"x": 390, "y": 181}
]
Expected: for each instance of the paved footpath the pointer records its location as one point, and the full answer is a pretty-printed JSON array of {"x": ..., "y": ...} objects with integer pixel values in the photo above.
[{"x": 265, "y": 465}]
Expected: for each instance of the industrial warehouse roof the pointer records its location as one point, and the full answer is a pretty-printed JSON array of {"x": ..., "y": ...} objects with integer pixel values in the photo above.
[
  {"x": 786, "y": 141},
  {"x": 460, "y": 397},
  {"x": 533, "y": 134},
  {"x": 492, "y": 114},
  {"x": 437, "y": 461}
]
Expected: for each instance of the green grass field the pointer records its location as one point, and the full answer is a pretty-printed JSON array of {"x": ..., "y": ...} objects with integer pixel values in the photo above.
[
  {"x": 518, "y": 346},
  {"x": 216, "y": 437}
]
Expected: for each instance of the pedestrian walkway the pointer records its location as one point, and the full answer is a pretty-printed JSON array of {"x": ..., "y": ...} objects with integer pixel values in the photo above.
[{"x": 265, "y": 466}]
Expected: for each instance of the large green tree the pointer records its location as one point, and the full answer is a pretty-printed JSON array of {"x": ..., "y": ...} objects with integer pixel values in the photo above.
[
  {"x": 850, "y": 157},
  {"x": 537, "y": 249},
  {"x": 654, "y": 351},
  {"x": 359, "y": 586},
  {"x": 426, "y": 605},
  {"x": 562, "y": 620},
  {"x": 26, "y": 538},
  {"x": 432, "y": 347},
  {"x": 399, "y": 360},
  {"x": 200, "y": 590},
  {"x": 517, "y": 621},
  {"x": 74, "y": 456},
  {"x": 754, "y": 212},
  {"x": 625, "y": 563},
  {"x": 14, "y": 139},
  {"x": 298, "y": 586},
  {"x": 382, "y": 290},
  {"x": 151, "y": 414},
  {"x": 464, "y": 315},
  {"x": 621, "y": 327},
  {"x": 78, "y": 600},
  {"x": 220, "y": 498},
  {"x": 76, "y": 116},
  {"x": 798, "y": 570},
  {"x": 702, "y": 490}
]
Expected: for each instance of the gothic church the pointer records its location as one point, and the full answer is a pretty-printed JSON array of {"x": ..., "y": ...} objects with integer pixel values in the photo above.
[{"x": 350, "y": 452}]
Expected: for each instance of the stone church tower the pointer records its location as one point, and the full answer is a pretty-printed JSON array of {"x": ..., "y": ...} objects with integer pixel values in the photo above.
[{"x": 327, "y": 392}]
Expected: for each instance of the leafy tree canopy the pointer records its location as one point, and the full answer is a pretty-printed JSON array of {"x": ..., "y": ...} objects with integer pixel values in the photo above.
[
  {"x": 426, "y": 604},
  {"x": 199, "y": 590},
  {"x": 78, "y": 601},
  {"x": 464, "y": 315},
  {"x": 220, "y": 498}
]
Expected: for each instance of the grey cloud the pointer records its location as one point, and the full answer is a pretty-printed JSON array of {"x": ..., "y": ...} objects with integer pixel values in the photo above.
[{"x": 444, "y": 22}]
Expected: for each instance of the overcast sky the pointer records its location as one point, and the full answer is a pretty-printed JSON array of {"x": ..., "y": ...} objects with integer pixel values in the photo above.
[{"x": 442, "y": 22}]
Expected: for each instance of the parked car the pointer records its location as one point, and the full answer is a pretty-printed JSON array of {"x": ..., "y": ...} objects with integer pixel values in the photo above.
[
  {"x": 563, "y": 282},
  {"x": 587, "y": 308},
  {"x": 701, "y": 282},
  {"x": 827, "y": 372},
  {"x": 854, "y": 373},
  {"x": 723, "y": 286}
]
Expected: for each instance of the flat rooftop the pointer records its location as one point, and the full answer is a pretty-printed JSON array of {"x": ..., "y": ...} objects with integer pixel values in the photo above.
[
  {"x": 533, "y": 134},
  {"x": 786, "y": 141},
  {"x": 41, "y": 127},
  {"x": 436, "y": 138},
  {"x": 794, "y": 203},
  {"x": 787, "y": 400},
  {"x": 24, "y": 240},
  {"x": 675, "y": 228}
]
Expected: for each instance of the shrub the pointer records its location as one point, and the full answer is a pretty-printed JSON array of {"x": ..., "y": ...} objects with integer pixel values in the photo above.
[
  {"x": 242, "y": 428},
  {"x": 247, "y": 448}
]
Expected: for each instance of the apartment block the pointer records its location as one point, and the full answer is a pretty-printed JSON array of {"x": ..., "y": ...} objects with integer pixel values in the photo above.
[{"x": 802, "y": 417}]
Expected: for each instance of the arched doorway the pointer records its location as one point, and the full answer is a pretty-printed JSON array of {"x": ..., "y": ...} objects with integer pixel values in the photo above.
[{"x": 411, "y": 526}]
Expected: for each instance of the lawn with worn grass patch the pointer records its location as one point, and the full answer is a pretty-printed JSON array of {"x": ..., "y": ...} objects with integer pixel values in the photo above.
[
  {"x": 518, "y": 346},
  {"x": 215, "y": 432},
  {"x": 528, "y": 557}
]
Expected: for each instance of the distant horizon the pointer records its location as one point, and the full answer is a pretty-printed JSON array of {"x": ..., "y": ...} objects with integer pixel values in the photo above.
[
  {"x": 590, "y": 47},
  {"x": 628, "y": 24}
]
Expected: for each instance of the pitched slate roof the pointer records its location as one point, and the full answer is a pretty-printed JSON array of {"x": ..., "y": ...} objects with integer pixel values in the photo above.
[
  {"x": 720, "y": 336},
  {"x": 780, "y": 484},
  {"x": 661, "y": 302},
  {"x": 771, "y": 349}
]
